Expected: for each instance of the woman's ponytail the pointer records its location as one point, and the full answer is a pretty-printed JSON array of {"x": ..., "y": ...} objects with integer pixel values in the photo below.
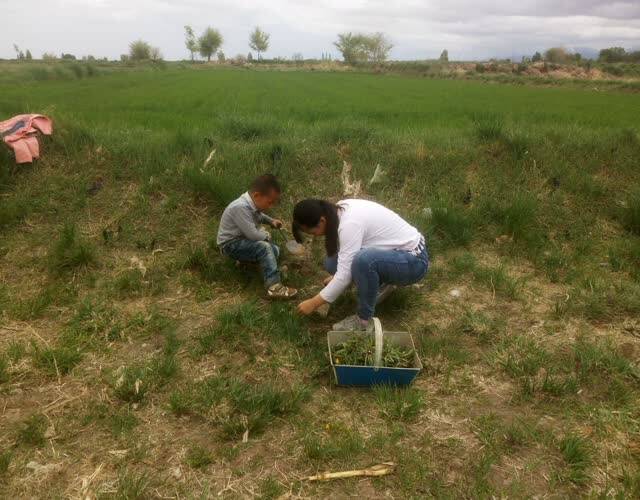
[{"x": 308, "y": 212}]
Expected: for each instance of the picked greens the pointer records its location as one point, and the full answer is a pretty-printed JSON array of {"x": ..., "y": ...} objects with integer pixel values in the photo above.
[{"x": 360, "y": 350}]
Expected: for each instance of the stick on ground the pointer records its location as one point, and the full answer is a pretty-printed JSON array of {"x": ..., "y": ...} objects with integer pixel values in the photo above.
[{"x": 375, "y": 470}]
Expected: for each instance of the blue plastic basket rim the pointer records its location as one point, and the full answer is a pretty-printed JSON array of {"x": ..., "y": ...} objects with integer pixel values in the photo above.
[{"x": 373, "y": 367}]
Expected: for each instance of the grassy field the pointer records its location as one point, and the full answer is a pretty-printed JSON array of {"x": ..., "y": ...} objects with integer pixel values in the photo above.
[{"x": 135, "y": 362}]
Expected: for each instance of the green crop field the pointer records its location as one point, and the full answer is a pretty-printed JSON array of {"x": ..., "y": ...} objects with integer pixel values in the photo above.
[{"x": 136, "y": 362}]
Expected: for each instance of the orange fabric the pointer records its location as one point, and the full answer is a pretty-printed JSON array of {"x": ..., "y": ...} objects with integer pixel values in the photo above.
[{"x": 21, "y": 133}]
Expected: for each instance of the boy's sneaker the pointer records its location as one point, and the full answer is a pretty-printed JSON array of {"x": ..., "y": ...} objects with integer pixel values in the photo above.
[
  {"x": 384, "y": 291},
  {"x": 352, "y": 324},
  {"x": 279, "y": 291}
]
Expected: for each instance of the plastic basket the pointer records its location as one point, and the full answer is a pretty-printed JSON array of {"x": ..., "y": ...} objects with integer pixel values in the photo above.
[{"x": 356, "y": 375}]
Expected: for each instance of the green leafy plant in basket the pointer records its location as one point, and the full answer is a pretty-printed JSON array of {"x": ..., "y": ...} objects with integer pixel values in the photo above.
[{"x": 360, "y": 350}]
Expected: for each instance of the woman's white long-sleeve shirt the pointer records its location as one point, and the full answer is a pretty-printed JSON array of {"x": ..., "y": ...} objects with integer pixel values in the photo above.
[{"x": 366, "y": 224}]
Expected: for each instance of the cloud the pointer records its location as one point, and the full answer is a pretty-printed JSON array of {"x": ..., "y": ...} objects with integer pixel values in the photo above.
[{"x": 418, "y": 28}]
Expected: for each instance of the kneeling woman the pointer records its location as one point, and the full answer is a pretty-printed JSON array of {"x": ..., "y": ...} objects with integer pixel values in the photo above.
[{"x": 366, "y": 243}]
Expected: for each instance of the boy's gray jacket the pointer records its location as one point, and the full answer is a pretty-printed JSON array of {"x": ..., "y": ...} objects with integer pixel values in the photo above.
[{"x": 242, "y": 219}]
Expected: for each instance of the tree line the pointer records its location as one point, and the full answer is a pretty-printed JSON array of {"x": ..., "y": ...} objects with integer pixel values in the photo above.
[
  {"x": 560, "y": 55},
  {"x": 355, "y": 48}
]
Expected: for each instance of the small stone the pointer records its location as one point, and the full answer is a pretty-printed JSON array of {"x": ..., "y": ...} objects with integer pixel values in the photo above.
[{"x": 455, "y": 293}]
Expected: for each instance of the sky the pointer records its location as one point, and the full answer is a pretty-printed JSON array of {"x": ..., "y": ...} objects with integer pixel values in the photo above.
[{"x": 418, "y": 29}]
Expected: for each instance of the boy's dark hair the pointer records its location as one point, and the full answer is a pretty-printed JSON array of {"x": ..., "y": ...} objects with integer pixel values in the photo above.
[{"x": 264, "y": 184}]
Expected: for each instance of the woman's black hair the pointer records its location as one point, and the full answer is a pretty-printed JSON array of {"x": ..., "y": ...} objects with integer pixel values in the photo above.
[{"x": 307, "y": 213}]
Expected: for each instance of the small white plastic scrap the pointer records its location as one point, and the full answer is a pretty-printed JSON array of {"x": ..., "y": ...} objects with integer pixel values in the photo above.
[{"x": 378, "y": 176}]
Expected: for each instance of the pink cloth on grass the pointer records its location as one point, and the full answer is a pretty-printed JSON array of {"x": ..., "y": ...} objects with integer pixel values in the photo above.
[{"x": 22, "y": 138}]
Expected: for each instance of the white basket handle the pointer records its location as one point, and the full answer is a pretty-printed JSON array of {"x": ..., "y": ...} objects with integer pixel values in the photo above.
[{"x": 379, "y": 337}]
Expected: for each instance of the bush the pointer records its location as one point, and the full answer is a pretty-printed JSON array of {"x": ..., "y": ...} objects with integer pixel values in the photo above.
[
  {"x": 76, "y": 69},
  {"x": 612, "y": 69}
]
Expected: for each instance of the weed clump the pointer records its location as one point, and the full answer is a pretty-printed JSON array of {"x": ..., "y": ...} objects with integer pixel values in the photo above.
[
  {"x": 249, "y": 128},
  {"x": 4, "y": 369},
  {"x": 398, "y": 403},
  {"x": 240, "y": 407},
  {"x": 235, "y": 327},
  {"x": 338, "y": 444},
  {"x": 5, "y": 461},
  {"x": 254, "y": 407},
  {"x": 133, "y": 282},
  {"x": 70, "y": 251},
  {"x": 631, "y": 214},
  {"x": 199, "y": 457},
  {"x": 56, "y": 360},
  {"x": 132, "y": 485},
  {"x": 577, "y": 454},
  {"x": 488, "y": 127},
  {"x": 132, "y": 385},
  {"x": 219, "y": 188},
  {"x": 118, "y": 420},
  {"x": 12, "y": 211},
  {"x": 348, "y": 132},
  {"x": 136, "y": 380},
  {"x": 32, "y": 431},
  {"x": 450, "y": 225}
]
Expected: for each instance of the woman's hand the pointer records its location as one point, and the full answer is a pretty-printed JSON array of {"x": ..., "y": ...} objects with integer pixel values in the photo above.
[
  {"x": 310, "y": 305},
  {"x": 327, "y": 280},
  {"x": 277, "y": 223}
]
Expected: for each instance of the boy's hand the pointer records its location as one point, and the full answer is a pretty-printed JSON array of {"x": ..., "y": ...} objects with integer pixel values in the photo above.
[{"x": 277, "y": 223}]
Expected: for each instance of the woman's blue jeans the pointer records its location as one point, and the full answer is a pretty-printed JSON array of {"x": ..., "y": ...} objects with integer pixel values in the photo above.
[{"x": 373, "y": 267}]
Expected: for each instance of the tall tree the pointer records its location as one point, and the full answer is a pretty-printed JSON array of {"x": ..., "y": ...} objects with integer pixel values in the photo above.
[
  {"x": 190, "y": 41},
  {"x": 612, "y": 54},
  {"x": 155, "y": 54},
  {"x": 360, "y": 48},
  {"x": 28, "y": 55},
  {"x": 556, "y": 55},
  {"x": 259, "y": 40},
  {"x": 139, "y": 50},
  {"x": 379, "y": 47},
  {"x": 19, "y": 53},
  {"x": 209, "y": 43}
]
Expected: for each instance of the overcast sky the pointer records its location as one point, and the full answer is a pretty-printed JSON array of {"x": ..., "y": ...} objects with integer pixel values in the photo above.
[{"x": 419, "y": 29}]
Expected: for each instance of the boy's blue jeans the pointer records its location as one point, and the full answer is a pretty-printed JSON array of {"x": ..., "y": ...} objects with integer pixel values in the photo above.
[
  {"x": 372, "y": 267},
  {"x": 263, "y": 252}
]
